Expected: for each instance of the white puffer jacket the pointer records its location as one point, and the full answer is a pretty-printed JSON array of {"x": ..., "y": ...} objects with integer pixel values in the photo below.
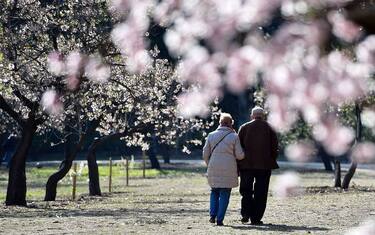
[{"x": 222, "y": 165}]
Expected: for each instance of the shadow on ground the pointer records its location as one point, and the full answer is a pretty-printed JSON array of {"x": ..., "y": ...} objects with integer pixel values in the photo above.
[{"x": 278, "y": 228}]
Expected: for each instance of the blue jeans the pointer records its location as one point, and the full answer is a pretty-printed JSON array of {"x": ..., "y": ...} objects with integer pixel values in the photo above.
[{"x": 219, "y": 201}]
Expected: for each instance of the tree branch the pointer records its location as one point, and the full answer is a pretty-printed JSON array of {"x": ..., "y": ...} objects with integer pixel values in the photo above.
[
  {"x": 7, "y": 108},
  {"x": 28, "y": 103}
]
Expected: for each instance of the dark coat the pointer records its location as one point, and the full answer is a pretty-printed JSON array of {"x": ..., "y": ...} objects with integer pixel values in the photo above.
[{"x": 260, "y": 145}]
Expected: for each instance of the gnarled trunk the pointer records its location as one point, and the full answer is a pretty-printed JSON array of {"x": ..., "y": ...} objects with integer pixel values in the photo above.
[
  {"x": 66, "y": 164},
  {"x": 16, "y": 191}
]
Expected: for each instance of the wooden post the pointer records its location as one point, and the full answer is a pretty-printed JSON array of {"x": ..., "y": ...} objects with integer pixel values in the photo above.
[
  {"x": 144, "y": 164},
  {"x": 110, "y": 175},
  {"x": 74, "y": 181},
  {"x": 127, "y": 171}
]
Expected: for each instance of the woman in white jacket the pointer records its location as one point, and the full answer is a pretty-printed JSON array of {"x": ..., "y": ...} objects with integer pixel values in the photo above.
[{"x": 220, "y": 152}]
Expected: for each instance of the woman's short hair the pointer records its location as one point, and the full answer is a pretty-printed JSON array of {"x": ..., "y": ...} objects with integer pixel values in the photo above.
[{"x": 226, "y": 119}]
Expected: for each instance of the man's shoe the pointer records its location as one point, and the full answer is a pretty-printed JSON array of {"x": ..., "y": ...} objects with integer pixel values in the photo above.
[
  {"x": 256, "y": 222},
  {"x": 244, "y": 220},
  {"x": 212, "y": 219},
  {"x": 220, "y": 223}
]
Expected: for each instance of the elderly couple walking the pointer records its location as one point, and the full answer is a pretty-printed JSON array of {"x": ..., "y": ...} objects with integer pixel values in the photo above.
[{"x": 251, "y": 154}]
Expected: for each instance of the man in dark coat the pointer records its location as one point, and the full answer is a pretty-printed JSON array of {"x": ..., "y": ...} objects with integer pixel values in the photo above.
[{"x": 260, "y": 145}]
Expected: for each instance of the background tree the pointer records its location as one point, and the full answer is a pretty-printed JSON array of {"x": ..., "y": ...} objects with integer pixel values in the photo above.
[{"x": 30, "y": 30}]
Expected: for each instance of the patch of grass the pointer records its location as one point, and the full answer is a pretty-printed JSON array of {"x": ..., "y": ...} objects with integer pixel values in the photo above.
[{"x": 37, "y": 178}]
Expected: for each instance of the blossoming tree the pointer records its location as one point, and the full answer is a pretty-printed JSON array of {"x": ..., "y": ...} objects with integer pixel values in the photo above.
[{"x": 311, "y": 56}]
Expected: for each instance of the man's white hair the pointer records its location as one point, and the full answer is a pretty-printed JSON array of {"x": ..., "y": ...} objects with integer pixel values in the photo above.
[{"x": 257, "y": 112}]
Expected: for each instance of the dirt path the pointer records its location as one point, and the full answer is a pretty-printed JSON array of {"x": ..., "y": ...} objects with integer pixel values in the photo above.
[{"x": 179, "y": 205}]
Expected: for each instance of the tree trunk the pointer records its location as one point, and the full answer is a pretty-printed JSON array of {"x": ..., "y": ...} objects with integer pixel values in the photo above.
[
  {"x": 66, "y": 164},
  {"x": 326, "y": 158},
  {"x": 153, "y": 160},
  {"x": 3, "y": 138},
  {"x": 349, "y": 175},
  {"x": 94, "y": 183},
  {"x": 337, "y": 174},
  {"x": 167, "y": 158},
  {"x": 358, "y": 137},
  {"x": 152, "y": 152},
  {"x": 16, "y": 191}
]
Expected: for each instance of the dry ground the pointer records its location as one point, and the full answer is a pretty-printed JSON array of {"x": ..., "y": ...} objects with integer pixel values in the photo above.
[{"x": 178, "y": 204}]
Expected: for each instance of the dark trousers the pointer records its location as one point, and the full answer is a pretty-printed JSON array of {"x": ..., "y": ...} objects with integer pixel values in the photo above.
[{"x": 254, "y": 189}]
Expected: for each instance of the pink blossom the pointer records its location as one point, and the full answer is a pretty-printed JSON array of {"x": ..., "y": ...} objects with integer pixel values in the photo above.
[
  {"x": 287, "y": 185},
  {"x": 72, "y": 82},
  {"x": 120, "y": 5},
  {"x": 130, "y": 41},
  {"x": 291, "y": 7},
  {"x": 368, "y": 118},
  {"x": 281, "y": 117},
  {"x": 179, "y": 43},
  {"x": 166, "y": 11},
  {"x": 97, "y": 71},
  {"x": 365, "y": 51},
  {"x": 366, "y": 228},
  {"x": 56, "y": 63},
  {"x": 336, "y": 139},
  {"x": 346, "y": 80},
  {"x": 242, "y": 68},
  {"x": 51, "y": 102},
  {"x": 138, "y": 62},
  {"x": 74, "y": 63},
  {"x": 364, "y": 152},
  {"x": 327, "y": 3},
  {"x": 198, "y": 68},
  {"x": 300, "y": 152},
  {"x": 343, "y": 28},
  {"x": 193, "y": 103}
]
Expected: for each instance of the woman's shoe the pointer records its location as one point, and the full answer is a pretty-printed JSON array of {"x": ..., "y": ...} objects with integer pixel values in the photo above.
[{"x": 212, "y": 219}]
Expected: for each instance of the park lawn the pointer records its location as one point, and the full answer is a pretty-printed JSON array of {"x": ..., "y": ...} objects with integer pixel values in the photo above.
[
  {"x": 175, "y": 201},
  {"x": 37, "y": 178}
]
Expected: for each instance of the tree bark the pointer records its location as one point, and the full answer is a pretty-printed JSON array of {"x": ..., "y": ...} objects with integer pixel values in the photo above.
[
  {"x": 94, "y": 182},
  {"x": 16, "y": 191},
  {"x": 358, "y": 137},
  {"x": 94, "y": 178},
  {"x": 337, "y": 174},
  {"x": 153, "y": 160},
  {"x": 152, "y": 152},
  {"x": 349, "y": 175},
  {"x": 167, "y": 158},
  {"x": 3, "y": 137},
  {"x": 66, "y": 164},
  {"x": 326, "y": 158}
]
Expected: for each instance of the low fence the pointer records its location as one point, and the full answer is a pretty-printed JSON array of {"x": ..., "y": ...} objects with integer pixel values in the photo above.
[{"x": 74, "y": 173}]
